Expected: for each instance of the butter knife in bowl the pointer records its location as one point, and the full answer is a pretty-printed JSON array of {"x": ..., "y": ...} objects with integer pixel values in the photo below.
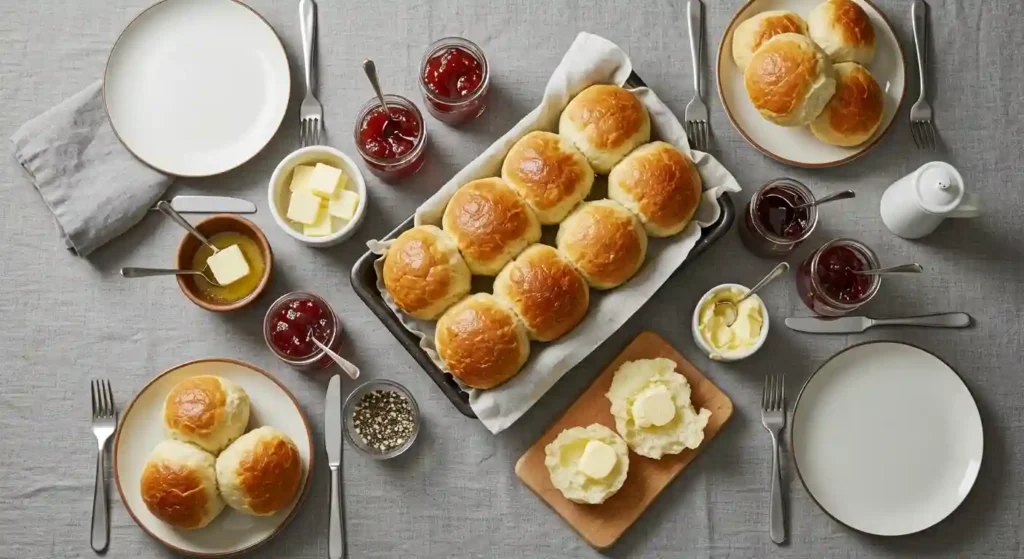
[
  {"x": 211, "y": 205},
  {"x": 855, "y": 324}
]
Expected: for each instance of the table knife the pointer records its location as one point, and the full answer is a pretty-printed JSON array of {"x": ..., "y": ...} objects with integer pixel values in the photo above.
[
  {"x": 854, "y": 324},
  {"x": 211, "y": 205},
  {"x": 332, "y": 438}
]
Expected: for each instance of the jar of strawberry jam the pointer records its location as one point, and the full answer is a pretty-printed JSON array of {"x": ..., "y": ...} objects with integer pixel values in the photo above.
[
  {"x": 291, "y": 324},
  {"x": 772, "y": 226},
  {"x": 392, "y": 148},
  {"x": 454, "y": 79},
  {"x": 828, "y": 283}
]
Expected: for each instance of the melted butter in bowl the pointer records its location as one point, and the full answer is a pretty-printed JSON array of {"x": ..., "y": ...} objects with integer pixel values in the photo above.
[
  {"x": 730, "y": 332},
  {"x": 237, "y": 290}
]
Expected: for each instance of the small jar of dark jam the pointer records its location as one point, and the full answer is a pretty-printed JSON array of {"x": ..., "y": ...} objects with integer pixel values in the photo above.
[
  {"x": 454, "y": 78},
  {"x": 290, "y": 324},
  {"x": 396, "y": 149},
  {"x": 771, "y": 225},
  {"x": 827, "y": 282}
]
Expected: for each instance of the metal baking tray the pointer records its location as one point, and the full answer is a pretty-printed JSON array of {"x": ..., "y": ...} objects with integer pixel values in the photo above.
[{"x": 364, "y": 282}]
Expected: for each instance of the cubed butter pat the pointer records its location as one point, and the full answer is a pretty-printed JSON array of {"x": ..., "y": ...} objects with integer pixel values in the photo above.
[
  {"x": 300, "y": 178},
  {"x": 324, "y": 180},
  {"x": 344, "y": 206},
  {"x": 228, "y": 265},
  {"x": 304, "y": 207},
  {"x": 654, "y": 406},
  {"x": 598, "y": 460},
  {"x": 321, "y": 228}
]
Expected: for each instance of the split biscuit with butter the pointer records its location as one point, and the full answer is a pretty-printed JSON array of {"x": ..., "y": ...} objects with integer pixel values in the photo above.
[{"x": 587, "y": 464}]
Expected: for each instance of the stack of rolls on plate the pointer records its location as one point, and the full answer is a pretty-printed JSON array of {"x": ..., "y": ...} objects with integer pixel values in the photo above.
[
  {"x": 492, "y": 227},
  {"x": 208, "y": 461},
  {"x": 813, "y": 73}
]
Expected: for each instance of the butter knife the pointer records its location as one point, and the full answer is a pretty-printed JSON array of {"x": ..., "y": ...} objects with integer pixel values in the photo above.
[
  {"x": 332, "y": 438},
  {"x": 211, "y": 205},
  {"x": 855, "y": 324}
]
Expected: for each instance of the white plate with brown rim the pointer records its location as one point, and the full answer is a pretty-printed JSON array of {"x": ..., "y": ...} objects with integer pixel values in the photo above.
[
  {"x": 142, "y": 427},
  {"x": 797, "y": 146}
]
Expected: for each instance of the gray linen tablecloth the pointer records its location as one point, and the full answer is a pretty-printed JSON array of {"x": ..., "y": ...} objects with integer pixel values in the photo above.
[{"x": 67, "y": 319}]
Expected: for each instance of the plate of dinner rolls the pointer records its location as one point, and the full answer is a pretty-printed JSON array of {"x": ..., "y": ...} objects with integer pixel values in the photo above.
[
  {"x": 811, "y": 83},
  {"x": 213, "y": 457}
]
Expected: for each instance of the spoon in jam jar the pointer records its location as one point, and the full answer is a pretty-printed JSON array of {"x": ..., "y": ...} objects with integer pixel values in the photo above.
[
  {"x": 901, "y": 269},
  {"x": 371, "y": 74},
  {"x": 841, "y": 195},
  {"x": 351, "y": 370},
  {"x": 730, "y": 309}
]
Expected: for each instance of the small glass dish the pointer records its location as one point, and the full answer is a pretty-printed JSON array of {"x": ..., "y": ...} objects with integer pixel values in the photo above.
[
  {"x": 813, "y": 289},
  {"x": 455, "y": 110},
  {"x": 757, "y": 236},
  {"x": 398, "y": 167},
  {"x": 348, "y": 414},
  {"x": 316, "y": 360}
]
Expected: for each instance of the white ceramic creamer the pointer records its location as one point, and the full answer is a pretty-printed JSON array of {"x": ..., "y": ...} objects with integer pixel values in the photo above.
[{"x": 915, "y": 205}]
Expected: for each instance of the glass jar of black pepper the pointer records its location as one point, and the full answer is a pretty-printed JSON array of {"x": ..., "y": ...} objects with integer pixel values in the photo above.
[{"x": 381, "y": 419}]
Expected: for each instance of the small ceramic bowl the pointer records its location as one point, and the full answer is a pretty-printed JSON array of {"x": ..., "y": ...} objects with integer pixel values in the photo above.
[
  {"x": 209, "y": 227},
  {"x": 349, "y": 409},
  {"x": 278, "y": 191},
  {"x": 706, "y": 347}
]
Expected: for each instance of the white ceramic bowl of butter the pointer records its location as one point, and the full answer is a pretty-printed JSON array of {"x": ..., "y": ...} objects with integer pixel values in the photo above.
[
  {"x": 750, "y": 343},
  {"x": 279, "y": 193}
]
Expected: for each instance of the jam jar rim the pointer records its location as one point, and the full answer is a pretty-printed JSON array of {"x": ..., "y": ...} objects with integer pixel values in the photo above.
[
  {"x": 417, "y": 148},
  {"x": 873, "y": 261},
  {"x": 812, "y": 212},
  {"x": 474, "y": 50},
  {"x": 276, "y": 305}
]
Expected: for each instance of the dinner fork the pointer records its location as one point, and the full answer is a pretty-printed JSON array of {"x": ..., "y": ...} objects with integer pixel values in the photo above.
[
  {"x": 696, "y": 112},
  {"x": 104, "y": 419},
  {"x": 773, "y": 417},
  {"x": 311, "y": 113},
  {"x": 922, "y": 127}
]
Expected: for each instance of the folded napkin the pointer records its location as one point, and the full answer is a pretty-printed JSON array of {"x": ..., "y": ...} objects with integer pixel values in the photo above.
[{"x": 95, "y": 188}]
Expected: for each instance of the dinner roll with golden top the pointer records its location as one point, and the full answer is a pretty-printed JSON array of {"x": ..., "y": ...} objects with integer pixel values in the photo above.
[
  {"x": 425, "y": 273},
  {"x": 179, "y": 485},
  {"x": 547, "y": 293},
  {"x": 660, "y": 184},
  {"x": 604, "y": 241},
  {"x": 854, "y": 112},
  {"x": 206, "y": 410},
  {"x": 754, "y": 32},
  {"x": 260, "y": 473},
  {"x": 605, "y": 122},
  {"x": 789, "y": 80},
  {"x": 490, "y": 223},
  {"x": 843, "y": 30},
  {"x": 482, "y": 341},
  {"x": 549, "y": 173}
]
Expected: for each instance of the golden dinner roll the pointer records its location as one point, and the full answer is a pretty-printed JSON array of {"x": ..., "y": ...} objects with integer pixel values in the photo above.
[
  {"x": 482, "y": 342},
  {"x": 605, "y": 122},
  {"x": 660, "y": 184},
  {"x": 179, "y": 485},
  {"x": 549, "y": 173},
  {"x": 260, "y": 473},
  {"x": 754, "y": 32},
  {"x": 855, "y": 111},
  {"x": 843, "y": 30},
  {"x": 789, "y": 80},
  {"x": 604, "y": 241},
  {"x": 547, "y": 293},
  {"x": 207, "y": 411},
  {"x": 425, "y": 273},
  {"x": 490, "y": 223}
]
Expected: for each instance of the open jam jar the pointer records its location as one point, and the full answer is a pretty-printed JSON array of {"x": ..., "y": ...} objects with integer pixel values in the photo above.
[
  {"x": 454, "y": 79},
  {"x": 771, "y": 225},
  {"x": 827, "y": 282},
  {"x": 291, "y": 323},
  {"x": 396, "y": 149}
]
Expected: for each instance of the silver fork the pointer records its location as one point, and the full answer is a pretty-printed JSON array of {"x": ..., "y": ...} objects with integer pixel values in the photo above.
[
  {"x": 922, "y": 127},
  {"x": 696, "y": 112},
  {"x": 773, "y": 417},
  {"x": 104, "y": 420},
  {"x": 311, "y": 113}
]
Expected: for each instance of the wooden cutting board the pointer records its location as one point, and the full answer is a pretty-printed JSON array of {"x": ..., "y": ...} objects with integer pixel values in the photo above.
[{"x": 602, "y": 525}]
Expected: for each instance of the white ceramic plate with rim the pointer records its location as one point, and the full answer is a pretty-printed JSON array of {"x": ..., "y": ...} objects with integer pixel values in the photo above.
[
  {"x": 196, "y": 87},
  {"x": 886, "y": 438},
  {"x": 142, "y": 427},
  {"x": 797, "y": 145}
]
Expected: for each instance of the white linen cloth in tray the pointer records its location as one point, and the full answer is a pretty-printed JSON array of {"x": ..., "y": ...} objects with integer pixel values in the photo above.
[{"x": 590, "y": 60}]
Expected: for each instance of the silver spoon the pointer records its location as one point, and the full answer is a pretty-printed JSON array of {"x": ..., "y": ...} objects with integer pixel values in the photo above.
[
  {"x": 731, "y": 310},
  {"x": 841, "y": 195},
  {"x": 167, "y": 210},
  {"x": 371, "y": 73},
  {"x": 351, "y": 370},
  {"x": 901, "y": 269},
  {"x": 132, "y": 272}
]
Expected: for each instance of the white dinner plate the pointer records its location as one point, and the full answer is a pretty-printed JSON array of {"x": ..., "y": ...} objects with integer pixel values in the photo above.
[
  {"x": 196, "y": 87},
  {"x": 797, "y": 145},
  {"x": 886, "y": 438},
  {"x": 142, "y": 427}
]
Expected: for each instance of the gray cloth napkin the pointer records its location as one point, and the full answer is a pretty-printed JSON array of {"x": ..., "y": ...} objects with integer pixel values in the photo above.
[{"x": 95, "y": 188}]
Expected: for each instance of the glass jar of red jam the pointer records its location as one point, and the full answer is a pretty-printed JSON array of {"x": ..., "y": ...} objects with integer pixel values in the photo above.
[
  {"x": 454, "y": 79},
  {"x": 290, "y": 324},
  {"x": 392, "y": 149},
  {"x": 771, "y": 225},
  {"x": 827, "y": 283}
]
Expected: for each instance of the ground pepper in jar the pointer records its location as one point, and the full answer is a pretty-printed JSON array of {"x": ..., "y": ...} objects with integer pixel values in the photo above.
[{"x": 384, "y": 420}]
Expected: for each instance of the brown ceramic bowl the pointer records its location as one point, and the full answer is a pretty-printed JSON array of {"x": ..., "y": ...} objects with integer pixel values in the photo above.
[{"x": 210, "y": 227}]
